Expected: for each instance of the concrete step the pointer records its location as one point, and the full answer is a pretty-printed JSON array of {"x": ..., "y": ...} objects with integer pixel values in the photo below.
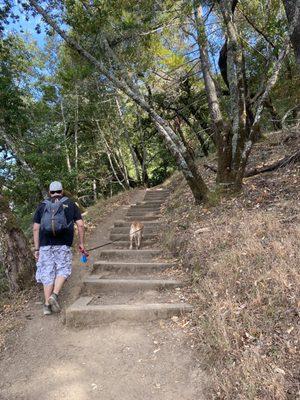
[
  {"x": 150, "y": 224},
  {"x": 129, "y": 267},
  {"x": 125, "y": 230},
  {"x": 129, "y": 255},
  {"x": 83, "y": 314},
  {"x": 144, "y": 209},
  {"x": 124, "y": 244},
  {"x": 141, "y": 218},
  {"x": 143, "y": 213},
  {"x": 157, "y": 193},
  {"x": 157, "y": 190},
  {"x": 125, "y": 236},
  {"x": 134, "y": 211},
  {"x": 160, "y": 199},
  {"x": 149, "y": 203},
  {"x": 97, "y": 284}
]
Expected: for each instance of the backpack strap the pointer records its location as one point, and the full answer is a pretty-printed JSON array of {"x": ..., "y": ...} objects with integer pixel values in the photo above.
[
  {"x": 63, "y": 199},
  {"x": 47, "y": 205}
]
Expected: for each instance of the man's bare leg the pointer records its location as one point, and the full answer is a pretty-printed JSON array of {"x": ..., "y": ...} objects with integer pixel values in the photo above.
[
  {"x": 48, "y": 289},
  {"x": 53, "y": 300},
  {"x": 59, "y": 282}
]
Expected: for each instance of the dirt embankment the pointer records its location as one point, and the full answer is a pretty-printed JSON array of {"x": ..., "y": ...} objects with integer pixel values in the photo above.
[{"x": 243, "y": 258}]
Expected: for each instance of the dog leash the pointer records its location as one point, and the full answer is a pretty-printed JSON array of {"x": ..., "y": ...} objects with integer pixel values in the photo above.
[{"x": 85, "y": 252}]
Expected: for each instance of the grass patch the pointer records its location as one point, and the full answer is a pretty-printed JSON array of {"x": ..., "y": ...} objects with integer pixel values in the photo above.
[{"x": 243, "y": 256}]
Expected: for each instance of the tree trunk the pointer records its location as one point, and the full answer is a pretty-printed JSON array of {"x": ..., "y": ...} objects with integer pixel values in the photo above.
[
  {"x": 237, "y": 89},
  {"x": 133, "y": 156},
  {"x": 141, "y": 158},
  {"x": 260, "y": 106},
  {"x": 210, "y": 87},
  {"x": 144, "y": 163},
  {"x": 276, "y": 120},
  {"x": 68, "y": 162},
  {"x": 201, "y": 123},
  {"x": 234, "y": 140},
  {"x": 110, "y": 155},
  {"x": 291, "y": 9},
  {"x": 197, "y": 132},
  {"x": 15, "y": 254},
  {"x": 177, "y": 128},
  {"x": 223, "y": 134},
  {"x": 95, "y": 189}
]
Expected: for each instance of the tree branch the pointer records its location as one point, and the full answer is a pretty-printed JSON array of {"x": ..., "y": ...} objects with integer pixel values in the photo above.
[{"x": 256, "y": 28}]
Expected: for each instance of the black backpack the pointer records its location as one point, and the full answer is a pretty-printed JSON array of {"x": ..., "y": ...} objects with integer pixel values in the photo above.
[{"x": 54, "y": 219}]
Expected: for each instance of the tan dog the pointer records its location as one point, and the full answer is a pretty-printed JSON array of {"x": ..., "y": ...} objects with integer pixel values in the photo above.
[{"x": 136, "y": 233}]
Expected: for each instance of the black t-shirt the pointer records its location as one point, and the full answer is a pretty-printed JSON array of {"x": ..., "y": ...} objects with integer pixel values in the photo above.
[{"x": 66, "y": 237}]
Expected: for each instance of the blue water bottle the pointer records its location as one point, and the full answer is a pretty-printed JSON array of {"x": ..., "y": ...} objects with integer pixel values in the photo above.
[{"x": 83, "y": 259}]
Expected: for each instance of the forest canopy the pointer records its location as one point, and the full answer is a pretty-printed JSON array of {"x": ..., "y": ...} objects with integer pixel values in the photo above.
[{"x": 122, "y": 93}]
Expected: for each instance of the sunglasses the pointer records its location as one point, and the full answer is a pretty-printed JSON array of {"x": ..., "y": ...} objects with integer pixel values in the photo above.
[{"x": 55, "y": 191}]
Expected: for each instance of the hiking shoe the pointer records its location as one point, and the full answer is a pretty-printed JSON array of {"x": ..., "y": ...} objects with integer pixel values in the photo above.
[
  {"x": 54, "y": 303},
  {"x": 47, "y": 309}
]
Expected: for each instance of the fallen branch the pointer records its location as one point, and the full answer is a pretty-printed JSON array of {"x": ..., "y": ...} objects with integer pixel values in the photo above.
[
  {"x": 267, "y": 168},
  {"x": 289, "y": 137},
  {"x": 276, "y": 165}
]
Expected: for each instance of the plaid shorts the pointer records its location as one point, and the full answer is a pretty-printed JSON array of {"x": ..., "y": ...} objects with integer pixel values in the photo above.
[{"x": 53, "y": 261}]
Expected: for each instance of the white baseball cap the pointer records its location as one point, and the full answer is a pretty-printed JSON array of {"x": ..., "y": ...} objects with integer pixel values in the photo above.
[{"x": 55, "y": 186}]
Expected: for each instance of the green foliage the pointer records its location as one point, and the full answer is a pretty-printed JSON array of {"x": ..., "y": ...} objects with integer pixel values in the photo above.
[{"x": 62, "y": 114}]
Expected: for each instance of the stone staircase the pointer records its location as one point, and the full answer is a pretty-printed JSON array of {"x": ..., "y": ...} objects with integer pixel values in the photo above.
[{"x": 129, "y": 284}]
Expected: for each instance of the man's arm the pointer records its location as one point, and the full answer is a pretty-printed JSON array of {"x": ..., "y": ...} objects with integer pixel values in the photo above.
[
  {"x": 80, "y": 227},
  {"x": 36, "y": 239}
]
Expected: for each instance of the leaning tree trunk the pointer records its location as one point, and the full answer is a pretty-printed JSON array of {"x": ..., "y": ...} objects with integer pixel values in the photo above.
[
  {"x": 175, "y": 146},
  {"x": 15, "y": 254}
]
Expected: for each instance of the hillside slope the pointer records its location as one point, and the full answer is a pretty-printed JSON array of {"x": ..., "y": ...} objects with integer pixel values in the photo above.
[{"x": 243, "y": 258}]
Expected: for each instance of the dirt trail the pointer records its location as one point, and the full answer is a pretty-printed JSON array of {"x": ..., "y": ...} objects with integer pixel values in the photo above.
[{"x": 46, "y": 360}]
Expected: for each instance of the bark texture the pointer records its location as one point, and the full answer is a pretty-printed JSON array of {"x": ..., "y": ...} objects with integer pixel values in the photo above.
[
  {"x": 291, "y": 9},
  {"x": 15, "y": 254},
  {"x": 235, "y": 135}
]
